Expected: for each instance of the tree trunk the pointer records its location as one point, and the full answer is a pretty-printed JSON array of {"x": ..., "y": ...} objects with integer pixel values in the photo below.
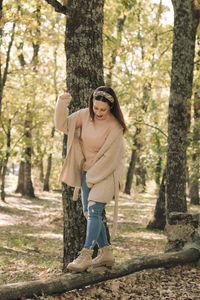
[
  {"x": 158, "y": 170},
  {"x": 159, "y": 219},
  {"x": 194, "y": 187},
  {"x": 20, "y": 183},
  {"x": 3, "y": 78},
  {"x": 48, "y": 172},
  {"x": 3, "y": 180},
  {"x": 4, "y": 74},
  {"x": 194, "y": 171},
  {"x": 84, "y": 58},
  {"x": 49, "y": 164},
  {"x": 140, "y": 174},
  {"x": 68, "y": 282},
  {"x": 131, "y": 168},
  {"x": 46, "y": 186},
  {"x": 28, "y": 186},
  {"x": 158, "y": 166},
  {"x": 145, "y": 99},
  {"x": 186, "y": 20},
  {"x": 194, "y": 181},
  {"x": 112, "y": 63},
  {"x": 5, "y": 162},
  {"x": 41, "y": 170}
]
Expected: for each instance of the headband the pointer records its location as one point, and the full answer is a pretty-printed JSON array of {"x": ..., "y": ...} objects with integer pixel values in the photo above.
[{"x": 104, "y": 94}]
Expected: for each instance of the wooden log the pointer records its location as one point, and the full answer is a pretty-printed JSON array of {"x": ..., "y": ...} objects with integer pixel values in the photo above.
[{"x": 69, "y": 281}]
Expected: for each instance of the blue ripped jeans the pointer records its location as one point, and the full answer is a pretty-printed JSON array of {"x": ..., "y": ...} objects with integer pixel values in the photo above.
[{"x": 96, "y": 231}]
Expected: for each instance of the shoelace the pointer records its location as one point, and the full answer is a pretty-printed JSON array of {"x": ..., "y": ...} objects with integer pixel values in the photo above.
[{"x": 81, "y": 256}]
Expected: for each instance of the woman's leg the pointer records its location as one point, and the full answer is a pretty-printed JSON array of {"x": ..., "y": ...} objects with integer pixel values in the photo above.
[
  {"x": 94, "y": 228},
  {"x": 102, "y": 240},
  {"x": 96, "y": 231},
  {"x": 84, "y": 194}
]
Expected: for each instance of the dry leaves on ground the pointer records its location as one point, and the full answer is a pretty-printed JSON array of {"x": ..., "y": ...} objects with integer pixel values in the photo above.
[
  {"x": 34, "y": 249},
  {"x": 177, "y": 283}
]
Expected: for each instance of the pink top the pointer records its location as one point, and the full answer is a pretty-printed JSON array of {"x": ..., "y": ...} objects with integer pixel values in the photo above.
[{"x": 93, "y": 134}]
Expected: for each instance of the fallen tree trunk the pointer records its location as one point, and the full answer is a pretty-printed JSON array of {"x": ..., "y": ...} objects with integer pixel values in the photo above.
[{"x": 70, "y": 281}]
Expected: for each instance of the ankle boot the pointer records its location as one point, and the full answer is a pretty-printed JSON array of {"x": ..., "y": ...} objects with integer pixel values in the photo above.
[
  {"x": 83, "y": 262},
  {"x": 105, "y": 257}
]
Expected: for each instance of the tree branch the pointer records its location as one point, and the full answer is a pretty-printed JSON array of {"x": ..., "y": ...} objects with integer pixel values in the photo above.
[
  {"x": 70, "y": 281},
  {"x": 152, "y": 126},
  {"x": 58, "y": 6},
  {"x": 8, "y": 57}
]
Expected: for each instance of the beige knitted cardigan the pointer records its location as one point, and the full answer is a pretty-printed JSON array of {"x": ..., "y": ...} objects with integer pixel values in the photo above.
[{"x": 105, "y": 176}]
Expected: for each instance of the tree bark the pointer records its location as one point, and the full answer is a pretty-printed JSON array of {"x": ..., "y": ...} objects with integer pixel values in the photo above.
[
  {"x": 48, "y": 172},
  {"x": 28, "y": 185},
  {"x": 20, "y": 183},
  {"x": 5, "y": 162},
  {"x": 158, "y": 170},
  {"x": 112, "y": 63},
  {"x": 140, "y": 173},
  {"x": 186, "y": 20},
  {"x": 67, "y": 282},
  {"x": 194, "y": 171},
  {"x": 41, "y": 170},
  {"x": 3, "y": 77},
  {"x": 46, "y": 186},
  {"x": 158, "y": 166},
  {"x": 131, "y": 167},
  {"x": 84, "y": 57},
  {"x": 159, "y": 219}
]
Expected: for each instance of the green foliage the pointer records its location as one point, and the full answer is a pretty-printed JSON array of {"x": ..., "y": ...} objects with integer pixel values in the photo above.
[
  {"x": 140, "y": 70},
  {"x": 137, "y": 63},
  {"x": 32, "y": 85}
]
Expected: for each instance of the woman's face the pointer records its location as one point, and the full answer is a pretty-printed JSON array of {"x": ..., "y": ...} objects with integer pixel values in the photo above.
[{"x": 101, "y": 110}]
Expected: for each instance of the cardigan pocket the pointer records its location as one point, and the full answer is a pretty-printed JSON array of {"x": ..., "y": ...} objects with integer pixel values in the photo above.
[{"x": 103, "y": 191}]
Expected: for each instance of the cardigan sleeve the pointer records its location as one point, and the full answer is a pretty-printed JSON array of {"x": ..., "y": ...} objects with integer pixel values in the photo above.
[
  {"x": 60, "y": 115},
  {"x": 62, "y": 118},
  {"x": 107, "y": 164}
]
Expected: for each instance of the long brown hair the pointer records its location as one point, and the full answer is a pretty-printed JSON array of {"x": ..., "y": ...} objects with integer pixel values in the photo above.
[{"x": 114, "y": 107}]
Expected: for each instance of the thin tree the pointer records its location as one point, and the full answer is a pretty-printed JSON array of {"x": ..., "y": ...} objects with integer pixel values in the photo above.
[
  {"x": 146, "y": 94},
  {"x": 46, "y": 186},
  {"x": 3, "y": 79},
  {"x": 25, "y": 185}
]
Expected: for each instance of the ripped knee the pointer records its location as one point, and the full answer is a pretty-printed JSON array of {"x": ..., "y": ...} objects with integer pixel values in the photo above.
[
  {"x": 90, "y": 203},
  {"x": 86, "y": 214}
]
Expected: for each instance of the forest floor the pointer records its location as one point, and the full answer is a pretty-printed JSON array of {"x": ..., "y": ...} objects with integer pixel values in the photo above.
[{"x": 31, "y": 248}]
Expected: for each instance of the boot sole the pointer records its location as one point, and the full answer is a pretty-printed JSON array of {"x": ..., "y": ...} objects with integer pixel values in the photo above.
[
  {"x": 76, "y": 270},
  {"x": 105, "y": 263}
]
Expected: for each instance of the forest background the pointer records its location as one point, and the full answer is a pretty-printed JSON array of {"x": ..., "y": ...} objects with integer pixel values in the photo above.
[
  {"x": 137, "y": 50},
  {"x": 137, "y": 54}
]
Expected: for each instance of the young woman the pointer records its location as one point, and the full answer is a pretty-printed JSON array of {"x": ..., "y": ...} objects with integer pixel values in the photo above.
[{"x": 94, "y": 162}]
